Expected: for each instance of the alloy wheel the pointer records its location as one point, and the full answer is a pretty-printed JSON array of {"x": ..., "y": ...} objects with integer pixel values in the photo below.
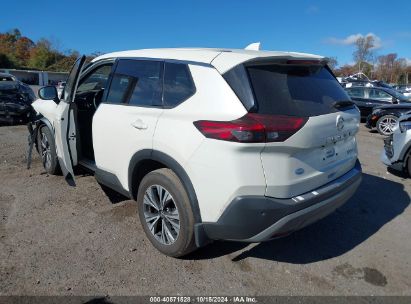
[
  {"x": 161, "y": 214},
  {"x": 45, "y": 151},
  {"x": 387, "y": 125}
]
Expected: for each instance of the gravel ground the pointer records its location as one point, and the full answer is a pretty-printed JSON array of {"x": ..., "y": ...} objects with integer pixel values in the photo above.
[{"x": 58, "y": 240}]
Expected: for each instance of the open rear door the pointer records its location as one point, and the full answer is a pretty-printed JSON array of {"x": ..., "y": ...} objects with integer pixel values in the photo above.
[{"x": 62, "y": 122}]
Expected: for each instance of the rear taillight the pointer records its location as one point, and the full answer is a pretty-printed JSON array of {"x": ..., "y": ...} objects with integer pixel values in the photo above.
[{"x": 252, "y": 128}]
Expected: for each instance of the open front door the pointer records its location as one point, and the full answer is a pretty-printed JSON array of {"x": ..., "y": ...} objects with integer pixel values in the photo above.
[{"x": 65, "y": 141}]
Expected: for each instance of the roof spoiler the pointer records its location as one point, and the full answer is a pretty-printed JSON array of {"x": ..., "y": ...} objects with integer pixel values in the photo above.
[{"x": 253, "y": 46}]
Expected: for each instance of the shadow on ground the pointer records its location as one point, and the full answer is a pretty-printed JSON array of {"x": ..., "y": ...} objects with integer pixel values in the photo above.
[
  {"x": 398, "y": 173},
  {"x": 376, "y": 202},
  {"x": 113, "y": 196}
]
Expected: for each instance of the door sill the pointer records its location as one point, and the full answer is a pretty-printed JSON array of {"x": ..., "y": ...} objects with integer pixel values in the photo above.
[{"x": 88, "y": 164}]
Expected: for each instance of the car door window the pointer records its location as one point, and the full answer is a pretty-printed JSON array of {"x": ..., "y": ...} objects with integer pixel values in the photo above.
[
  {"x": 379, "y": 95},
  {"x": 72, "y": 80},
  {"x": 137, "y": 82},
  {"x": 356, "y": 92},
  {"x": 95, "y": 80},
  {"x": 178, "y": 84}
]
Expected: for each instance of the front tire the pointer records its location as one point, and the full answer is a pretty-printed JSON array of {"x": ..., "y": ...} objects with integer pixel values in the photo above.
[
  {"x": 165, "y": 213},
  {"x": 47, "y": 150},
  {"x": 385, "y": 125}
]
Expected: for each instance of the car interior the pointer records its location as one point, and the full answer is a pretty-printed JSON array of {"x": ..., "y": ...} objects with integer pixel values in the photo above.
[{"x": 89, "y": 95}]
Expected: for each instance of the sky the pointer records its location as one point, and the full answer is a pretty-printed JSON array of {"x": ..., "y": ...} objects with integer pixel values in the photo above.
[{"x": 321, "y": 27}]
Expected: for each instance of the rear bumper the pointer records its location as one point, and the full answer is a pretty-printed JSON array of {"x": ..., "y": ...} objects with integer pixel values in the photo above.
[{"x": 260, "y": 218}]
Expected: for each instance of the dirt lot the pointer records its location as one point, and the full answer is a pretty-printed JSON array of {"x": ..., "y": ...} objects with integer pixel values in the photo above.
[{"x": 57, "y": 240}]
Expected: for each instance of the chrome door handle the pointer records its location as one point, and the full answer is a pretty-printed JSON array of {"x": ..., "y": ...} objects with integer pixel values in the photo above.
[{"x": 139, "y": 124}]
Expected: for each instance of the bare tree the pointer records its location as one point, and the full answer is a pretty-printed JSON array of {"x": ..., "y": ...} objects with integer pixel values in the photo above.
[
  {"x": 364, "y": 51},
  {"x": 332, "y": 62}
]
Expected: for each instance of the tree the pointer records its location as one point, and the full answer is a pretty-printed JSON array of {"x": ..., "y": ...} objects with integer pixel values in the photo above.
[
  {"x": 398, "y": 74},
  {"x": 5, "y": 61},
  {"x": 65, "y": 63},
  {"x": 22, "y": 48},
  {"x": 391, "y": 69},
  {"x": 15, "y": 33},
  {"x": 7, "y": 46},
  {"x": 18, "y": 51},
  {"x": 345, "y": 70},
  {"x": 364, "y": 51},
  {"x": 42, "y": 55},
  {"x": 332, "y": 62}
]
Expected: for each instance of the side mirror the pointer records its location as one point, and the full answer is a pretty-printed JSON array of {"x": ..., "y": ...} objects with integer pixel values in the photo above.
[
  {"x": 49, "y": 93},
  {"x": 395, "y": 100}
]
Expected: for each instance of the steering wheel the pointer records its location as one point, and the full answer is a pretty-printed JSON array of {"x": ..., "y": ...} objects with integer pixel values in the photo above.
[{"x": 97, "y": 98}]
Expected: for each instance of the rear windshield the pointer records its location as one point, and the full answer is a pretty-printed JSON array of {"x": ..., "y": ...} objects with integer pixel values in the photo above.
[{"x": 294, "y": 90}]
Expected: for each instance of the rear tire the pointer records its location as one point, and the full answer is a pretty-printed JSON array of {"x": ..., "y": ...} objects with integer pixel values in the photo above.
[
  {"x": 165, "y": 213},
  {"x": 47, "y": 150},
  {"x": 386, "y": 124}
]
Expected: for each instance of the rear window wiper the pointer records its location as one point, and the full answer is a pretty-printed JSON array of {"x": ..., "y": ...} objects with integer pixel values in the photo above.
[{"x": 343, "y": 104}]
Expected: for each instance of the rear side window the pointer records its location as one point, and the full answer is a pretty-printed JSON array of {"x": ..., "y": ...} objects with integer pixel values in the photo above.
[
  {"x": 237, "y": 78},
  {"x": 356, "y": 92},
  {"x": 136, "y": 83},
  {"x": 379, "y": 94},
  {"x": 295, "y": 90},
  {"x": 178, "y": 84}
]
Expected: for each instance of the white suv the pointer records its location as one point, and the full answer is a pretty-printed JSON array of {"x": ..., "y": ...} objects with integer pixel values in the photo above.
[
  {"x": 397, "y": 147},
  {"x": 212, "y": 144}
]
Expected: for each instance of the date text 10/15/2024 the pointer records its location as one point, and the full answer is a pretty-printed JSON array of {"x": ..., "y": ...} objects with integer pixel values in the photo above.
[{"x": 203, "y": 299}]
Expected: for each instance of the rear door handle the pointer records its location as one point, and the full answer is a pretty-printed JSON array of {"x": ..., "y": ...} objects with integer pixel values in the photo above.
[{"x": 139, "y": 124}]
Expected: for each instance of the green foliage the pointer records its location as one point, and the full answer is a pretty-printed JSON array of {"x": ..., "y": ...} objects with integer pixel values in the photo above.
[
  {"x": 5, "y": 61},
  {"x": 18, "y": 51},
  {"x": 64, "y": 64}
]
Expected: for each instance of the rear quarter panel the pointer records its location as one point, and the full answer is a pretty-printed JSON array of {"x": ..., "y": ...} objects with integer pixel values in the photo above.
[{"x": 217, "y": 169}]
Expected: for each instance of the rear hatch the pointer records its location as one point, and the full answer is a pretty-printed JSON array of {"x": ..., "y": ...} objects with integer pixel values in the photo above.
[{"x": 320, "y": 146}]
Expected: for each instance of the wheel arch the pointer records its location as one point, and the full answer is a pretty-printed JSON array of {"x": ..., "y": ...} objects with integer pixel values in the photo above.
[
  {"x": 44, "y": 121},
  {"x": 40, "y": 123},
  {"x": 146, "y": 161},
  {"x": 392, "y": 112},
  {"x": 405, "y": 154}
]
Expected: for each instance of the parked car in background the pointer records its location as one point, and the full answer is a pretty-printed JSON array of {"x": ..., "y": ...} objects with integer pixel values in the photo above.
[
  {"x": 384, "y": 118},
  {"x": 361, "y": 80},
  {"x": 397, "y": 147},
  {"x": 404, "y": 89},
  {"x": 366, "y": 83},
  {"x": 366, "y": 98},
  {"x": 15, "y": 99},
  {"x": 213, "y": 144}
]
